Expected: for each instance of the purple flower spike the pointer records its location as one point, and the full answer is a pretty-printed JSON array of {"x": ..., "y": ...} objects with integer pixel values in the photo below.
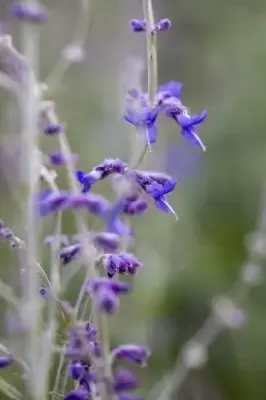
[
  {"x": 188, "y": 127},
  {"x": 70, "y": 253},
  {"x": 31, "y": 12},
  {"x": 132, "y": 352},
  {"x": 5, "y": 361},
  {"x": 125, "y": 380},
  {"x": 56, "y": 158},
  {"x": 52, "y": 202},
  {"x": 144, "y": 120},
  {"x": 52, "y": 129},
  {"x": 77, "y": 395},
  {"x": 138, "y": 25}
]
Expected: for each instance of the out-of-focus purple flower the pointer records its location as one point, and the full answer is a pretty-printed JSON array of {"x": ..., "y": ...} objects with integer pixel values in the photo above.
[
  {"x": 188, "y": 127},
  {"x": 78, "y": 370},
  {"x": 132, "y": 352},
  {"x": 156, "y": 185},
  {"x": 111, "y": 264},
  {"x": 106, "y": 300},
  {"x": 5, "y": 361},
  {"x": 162, "y": 26},
  {"x": 125, "y": 380},
  {"x": 28, "y": 11},
  {"x": 121, "y": 263},
  {"x": 170, "y": 89},
  {"x": 49, "y": 202},
  {"x": 70, "y": 253},
  {"x": 77, "y": 394},
  {"x": 117, "y": 287},
  {"x": 106, "y": 241},
  {"x": 112, "y": 221},
  {"x": 135, "y": 206},
  {"x": 94, "y": 203},
  {"x": 44, "y": 291},
  {"x": 52, "y": 129},
  {"x": 101, "y": 171},
  {"x": 138, "y": 25},
  {"x": 56, "y": 158},
  {"x": 144, "y": 119},
  {"x": 105, "y": 293}
]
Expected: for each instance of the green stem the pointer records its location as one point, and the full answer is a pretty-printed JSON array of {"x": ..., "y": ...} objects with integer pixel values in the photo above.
[{"x": 152, "y": 65}]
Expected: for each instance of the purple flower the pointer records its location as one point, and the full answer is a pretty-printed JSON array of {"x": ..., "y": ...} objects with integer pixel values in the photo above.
[
  {"x": 125, "y": 380},
  {"x": 78, "y": 369},
  {"x": 52, "y": 129},
  {"x": 44, "y": 291},
  {"x": 113, "y": 223},
  {"x": 135, "y": 206},
  {"x": 101, "y": 171},
  {"x": 163, "y": 25},
  {"x": 56, "y": 158},
  {"x": 49, "y": 202},
  {"x": 106, "y": 241},
  {"x": 144, "y": 119},
  {"x": 138, "y": 25},
  {"x": 132, "y": 352},
  {"x": 105, "y": 293},
  {"x": 5, "y": 361},
  {"x": 111, "y": 263},
  {"x": 106, "y": 300},
  {"x": 94, "y": 203},
  {"x": 156, "y": 185},
  {"x": 70, "y": 253},
  {"x": 117, "y": 287},
  {"x": 170, "y": 89},
  {"x": 120, "y": 263},
  {"x": 188, "y": 127},
  {"x": 27, "y": 11},
  {"x": 77, "y": 394}
]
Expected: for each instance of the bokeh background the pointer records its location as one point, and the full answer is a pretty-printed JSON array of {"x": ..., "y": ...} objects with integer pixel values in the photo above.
[{"x": 217, "y": 48}]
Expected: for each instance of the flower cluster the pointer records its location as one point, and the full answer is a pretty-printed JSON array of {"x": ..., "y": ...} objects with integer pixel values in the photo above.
[
  {"x": 140, "y": 113},
  {"x": 91, "y": 365}
]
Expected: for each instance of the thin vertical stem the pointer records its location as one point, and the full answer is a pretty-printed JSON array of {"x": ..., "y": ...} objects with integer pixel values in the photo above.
[
  {"x": 152, "y": 66},
  {"x": 29, "y": 103}
]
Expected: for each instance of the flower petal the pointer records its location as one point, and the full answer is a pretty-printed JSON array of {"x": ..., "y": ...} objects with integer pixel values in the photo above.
[
  {"x": 191, "y": 135},
  {"x": 197, "y": 119},
  {"x": 152, "y": 133},
  {"x": 174, "y": 88},
  {"x": 163, "y": 205}
]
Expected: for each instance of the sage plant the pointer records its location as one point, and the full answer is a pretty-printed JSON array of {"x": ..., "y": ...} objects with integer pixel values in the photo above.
[{"x": 82, "y": 340}]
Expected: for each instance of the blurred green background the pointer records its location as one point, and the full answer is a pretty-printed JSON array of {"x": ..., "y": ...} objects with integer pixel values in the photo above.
[{"x": 217, "y": 48}]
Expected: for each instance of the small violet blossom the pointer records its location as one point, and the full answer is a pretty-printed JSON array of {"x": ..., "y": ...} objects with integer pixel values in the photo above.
[
  {"x": 156, "y": 185},
  {"x": 132, "y": 352},
  {"x": 101, "y": 171},
  {"x": 144, "y": 120}
]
